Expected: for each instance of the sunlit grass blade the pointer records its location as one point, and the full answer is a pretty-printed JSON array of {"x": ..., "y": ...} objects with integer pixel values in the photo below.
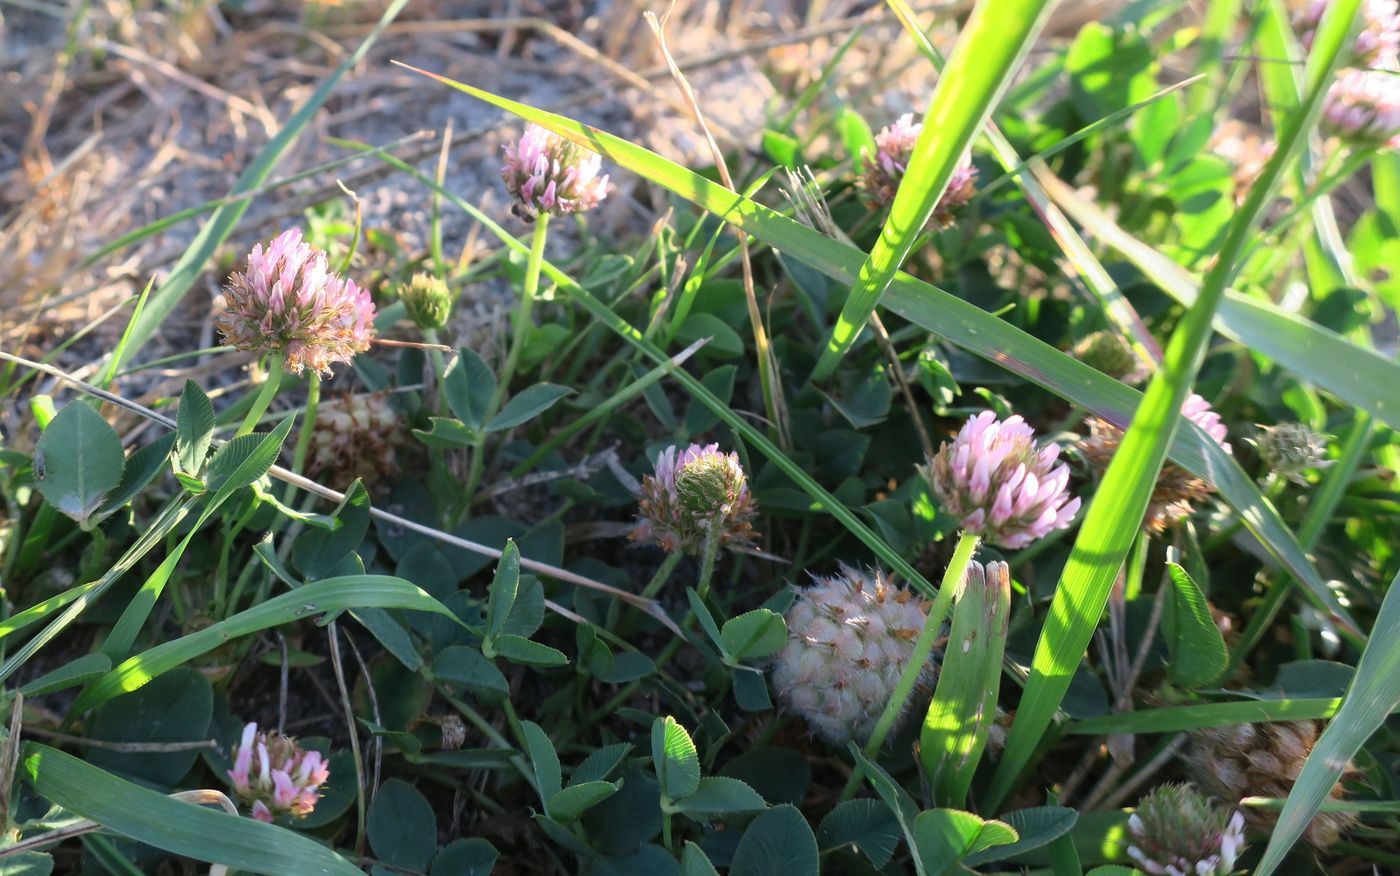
[
  {"x": 320, "y": 597},
  {"x": 987, "y": 54},
  {"x": 1115, "y": 306},
  {"x": 219, "y": 226},
  {"x": 183, "y": 828},
  {"x": 964, "y": 703},
  {"x": 1111, "y": 523},
  {"x": 1354, "y": 374},
  {"x": 1374, "y": 693},
  {"x": 1174, "y": 719},
  {"x": 962, "y": 324}
]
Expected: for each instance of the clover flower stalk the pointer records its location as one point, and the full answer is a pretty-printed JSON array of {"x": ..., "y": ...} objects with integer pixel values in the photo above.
[
  {"x": 288, "y": 303},
  {"x": 1178, "y": 831},
  {"x": 919, "y": 656},
  {"x": 548, "y": 175},
  {"x": 275, "y": 776},
  {"x": 885, "y": 170}
]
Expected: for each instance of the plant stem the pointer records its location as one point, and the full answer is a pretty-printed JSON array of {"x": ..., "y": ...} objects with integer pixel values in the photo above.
[
  {"x": 707, "y": 565},
  {"x": 522, "y": 316},
  {"x": 308, "y": 427},
  {"x": 517, "y": 342},
  {"x": 952, "y": 577},
  {"x": 269, "y": 389}
]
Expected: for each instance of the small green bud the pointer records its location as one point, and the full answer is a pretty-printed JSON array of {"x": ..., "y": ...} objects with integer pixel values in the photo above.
[
  {"x": 704, "y": 487},
  {"x": 427, "y": 300},
  {"x": 1290, "y": 449}
]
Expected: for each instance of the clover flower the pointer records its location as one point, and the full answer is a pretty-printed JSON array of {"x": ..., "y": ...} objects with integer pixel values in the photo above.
[
  {"x": 550, "y": 174},
  {"x": 275, "y": 776},
  {"x": 1178, "y": 491},
  {"x": 999, "y": 484},
  {"x": 1378, "y": 44},
  {"x": 289, "y": 302},
  {"x": 356, "y": 436},
  {"x": 885, "y": 170},
  {"x": 1290, "y": 449},
  {"x": 427, "y": 301},
  {"x": 693, "y": 492},
  {"x": 1177, "y": 831},
  {"x": 1263, "y": 760},
  {"x": 1362, "y": 107},
  {"x": 850, "y": 637}
]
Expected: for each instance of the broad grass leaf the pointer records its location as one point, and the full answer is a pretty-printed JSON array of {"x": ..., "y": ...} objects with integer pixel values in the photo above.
[{"x": 181, "y": 828}]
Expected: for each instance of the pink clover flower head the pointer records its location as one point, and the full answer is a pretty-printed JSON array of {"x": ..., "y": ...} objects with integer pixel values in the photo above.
[
  {"x": 894, "y": 146},
  {"x": 1378, "y": 44},
  {"x": 288, "y": 301},
  {"x": 274, "y": 776},
  {"x": 1178, "y": 831},
  {"x": 547, "y": 173},
  {"x": 1362, "y": 107},
  {"x": 998, "y": 484},
  {"x": 1199, "y": 411},
  {"x": 694, "y": 491}
]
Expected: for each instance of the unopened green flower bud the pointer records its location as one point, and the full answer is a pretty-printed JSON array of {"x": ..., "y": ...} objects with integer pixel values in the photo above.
[
  {"x": 704, "y": 486},
  {"x": 1290, "y": 449},
  {"x": 427, "y": 300}
]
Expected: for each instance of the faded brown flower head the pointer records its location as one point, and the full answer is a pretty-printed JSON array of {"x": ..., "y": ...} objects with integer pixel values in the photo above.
[
  {"x": 1178, "y": 491},
  {"x": 356, "y": 436},
  {"x": 1262, "y": 760}
]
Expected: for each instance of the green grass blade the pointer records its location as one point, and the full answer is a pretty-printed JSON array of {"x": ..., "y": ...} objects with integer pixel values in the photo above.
[
  {"x": 964, "y": 701},
  {"x": 1374, "y": 693},
  {"x": 1110, "y": 524},
  {"x": 962, "y": 324},
  {"x": 225, "y": 218},
  {"x": 1115, "y": 306},
  {"x": 987, "y": 54},
  {"x": 1354, "y": 374},
  {"x": 328, "y": 595},
  {"x": 182, "y": 828},
  {"x": 1174, "y": 719}
]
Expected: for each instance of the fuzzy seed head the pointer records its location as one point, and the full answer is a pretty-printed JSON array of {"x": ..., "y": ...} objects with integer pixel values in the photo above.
[
  {"x": 427, "y": 300},
  {"x": 356, "y": 436},
  {"x": 1177, "y": 492},
  {"x": 1262, "y": 760},
  {"x": 274, "y": 776},
  {"x": 1177, "y": 831},
  {"x": 1290, "y": 449},
  {"x": 999, "y": 484},
  {"x": 289, "y": 302},
  {"x": 550, "y": 174},
  {"x": 1362, "y": 107},
  {"x": 884, "y": 171},
  {"x": 1378, "y": 44},
  {"x": 1107, "y": 352},
  {"x": 692, "y": 492},
  {"x": 850, "y": 637}
]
